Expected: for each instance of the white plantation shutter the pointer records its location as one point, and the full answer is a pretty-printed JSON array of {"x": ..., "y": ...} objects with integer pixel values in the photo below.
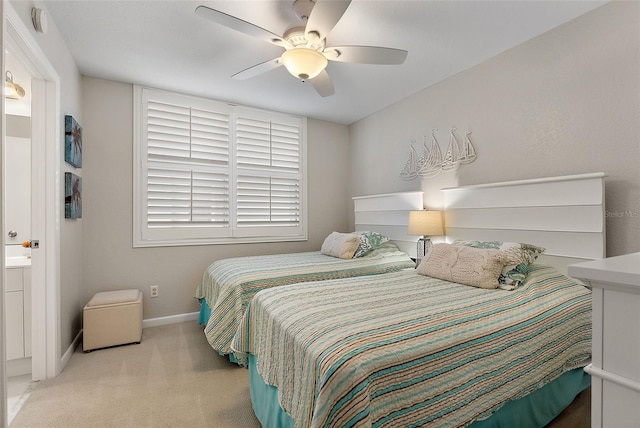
[
  {"x": 180, "y": 197},
  {"x": 187, "y": 166},
  {"x": 268, "y": 183},
  {"x": 268, "y": 201},
  {"x": 268, "y": 144},
  {"x": 210, "y": 172}
]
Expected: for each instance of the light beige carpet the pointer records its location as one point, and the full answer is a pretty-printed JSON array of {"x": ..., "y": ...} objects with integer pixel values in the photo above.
[{"x": 172, "y": 379}]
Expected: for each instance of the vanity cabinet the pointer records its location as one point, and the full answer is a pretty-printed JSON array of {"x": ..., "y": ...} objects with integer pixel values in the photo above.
[
  {"x": 615, "y": 367},
  {"x": 18, "y": 310}
]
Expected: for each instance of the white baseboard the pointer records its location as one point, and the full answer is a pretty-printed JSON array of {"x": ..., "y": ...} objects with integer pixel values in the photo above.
[
  {"x": 172, "y": 319},
  {"x": 70, "y": 350},
  {"x": 18, "y": 367}
]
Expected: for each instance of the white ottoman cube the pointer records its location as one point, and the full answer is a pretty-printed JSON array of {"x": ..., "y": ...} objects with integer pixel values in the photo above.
[{"x": 112, "y": 318}]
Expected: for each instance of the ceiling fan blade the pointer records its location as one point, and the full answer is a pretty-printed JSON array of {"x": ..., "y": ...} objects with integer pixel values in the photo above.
[
  {"x": 257, "y": 69},
  {"x": 240, "y": 25},
  {"x": 322, "y": 84},
  {"x": 325, "y": 15},
  {"x": 366, "y": 54}
]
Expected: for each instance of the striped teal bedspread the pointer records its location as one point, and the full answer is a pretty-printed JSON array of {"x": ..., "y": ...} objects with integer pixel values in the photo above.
[
  {"x": 402, "y": 349},
  {"x": 229, "y": 284}
]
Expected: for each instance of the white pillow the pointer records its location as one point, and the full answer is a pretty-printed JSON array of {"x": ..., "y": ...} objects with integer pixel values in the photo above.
[
  {"x": 341, "y": 245},
  {"x": 465, "y": 265},
  {"x": 518, "y": 258}
]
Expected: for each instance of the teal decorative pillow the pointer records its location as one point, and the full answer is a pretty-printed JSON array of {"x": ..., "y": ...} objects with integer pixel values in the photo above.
[
  {"x": 369, "y": 241},
  {"x": 517, "y": 257}
]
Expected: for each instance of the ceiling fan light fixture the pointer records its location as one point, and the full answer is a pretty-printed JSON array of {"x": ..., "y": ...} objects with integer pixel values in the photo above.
[
  {"x": 304, "y": 63},
  {"x": 13, "y": 91}
]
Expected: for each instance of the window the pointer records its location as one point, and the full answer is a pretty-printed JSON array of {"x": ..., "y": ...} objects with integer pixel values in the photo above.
[{"x": 208, "y": 172}]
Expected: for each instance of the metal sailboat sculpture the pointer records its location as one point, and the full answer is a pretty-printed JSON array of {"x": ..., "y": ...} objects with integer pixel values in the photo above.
[
  {"x": 410, "y": 170},
  {"x": 468, "y": 152},
  {"x": 431, "y": 161},
  {"x": 452, "y": 155}
]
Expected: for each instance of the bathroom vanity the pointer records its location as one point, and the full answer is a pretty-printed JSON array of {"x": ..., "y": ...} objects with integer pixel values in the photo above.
[{"x": 18, "y": 308}]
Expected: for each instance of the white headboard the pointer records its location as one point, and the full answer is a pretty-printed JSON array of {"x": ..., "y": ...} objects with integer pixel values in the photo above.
[
  {"x": 564, "y": 214},
  {"x": 389, "y": 214}
]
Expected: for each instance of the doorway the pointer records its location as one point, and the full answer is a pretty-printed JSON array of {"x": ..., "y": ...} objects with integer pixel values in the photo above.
[
  {"x": 17, "y": 181},
  {"x": 45, "y": 126}
]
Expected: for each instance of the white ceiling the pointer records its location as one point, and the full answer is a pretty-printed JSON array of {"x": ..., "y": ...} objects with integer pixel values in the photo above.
[{"x": 164, "y": 44}]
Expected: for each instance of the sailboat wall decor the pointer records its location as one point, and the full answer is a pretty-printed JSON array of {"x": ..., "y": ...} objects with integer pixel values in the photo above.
[
  {"x": 431, "y": 162},
  {"x": 452, "y": 155},
  {"x": 410, "y": 170},
  {"x": 433, "y": 165},
  {"x": 468, "y": 154}
]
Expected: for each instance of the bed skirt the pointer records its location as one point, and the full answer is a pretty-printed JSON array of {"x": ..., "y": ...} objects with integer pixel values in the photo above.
[
  {"x": 203, "y": 318},
  {"x": 205, "y": 312},
  {"x": 533, "y": 411}
]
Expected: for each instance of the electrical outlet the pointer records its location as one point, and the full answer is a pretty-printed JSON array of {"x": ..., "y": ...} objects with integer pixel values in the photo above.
[{"x": 154, "y": 290}]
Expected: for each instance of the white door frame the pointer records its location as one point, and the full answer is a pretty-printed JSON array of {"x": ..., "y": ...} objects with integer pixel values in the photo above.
[
  {"x": 46, "y": 195},
  {"x": 3, "y": 354}
]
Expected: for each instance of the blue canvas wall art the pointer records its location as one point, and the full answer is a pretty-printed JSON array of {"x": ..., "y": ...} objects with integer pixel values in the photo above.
[
  {"x": 72, "y": 142},
  {"x": 72, "y": 196}
]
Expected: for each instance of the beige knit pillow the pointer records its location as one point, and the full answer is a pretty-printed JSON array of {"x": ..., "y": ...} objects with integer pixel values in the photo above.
[
  {"x": 341, "y": 245},
  {"x": 466, "y": 265}
]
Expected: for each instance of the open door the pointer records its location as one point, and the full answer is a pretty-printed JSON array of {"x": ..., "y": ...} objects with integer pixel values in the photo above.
[
  {"x": 3, "y": 358},
  {"x": 45, "y": 200}
]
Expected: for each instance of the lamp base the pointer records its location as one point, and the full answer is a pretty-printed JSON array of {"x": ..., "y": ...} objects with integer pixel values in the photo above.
[{"x": 424, "y": 245}]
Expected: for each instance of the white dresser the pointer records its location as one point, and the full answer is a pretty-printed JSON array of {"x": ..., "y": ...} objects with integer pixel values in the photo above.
[{"x": 615, "y": 368}]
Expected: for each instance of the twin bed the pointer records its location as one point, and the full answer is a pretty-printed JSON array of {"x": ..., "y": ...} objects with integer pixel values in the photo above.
[
  {"x": 402, "y": 349},
  {"x": 407, "y": 349},
  {"x": 228, "y": 285}
]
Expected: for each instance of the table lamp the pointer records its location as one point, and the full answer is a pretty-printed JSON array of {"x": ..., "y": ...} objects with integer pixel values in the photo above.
[{"x": 425, "y": 223}]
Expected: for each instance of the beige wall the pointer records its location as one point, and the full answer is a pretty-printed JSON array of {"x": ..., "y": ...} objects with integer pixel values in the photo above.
[
  {"x": 110, "y": 261},
  {"x": 566, "y": 102}
]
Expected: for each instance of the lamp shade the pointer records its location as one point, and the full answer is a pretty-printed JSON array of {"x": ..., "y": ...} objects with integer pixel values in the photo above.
[
  {"x": 425, "y": 223},
  {"x": 303, "y": 63}
]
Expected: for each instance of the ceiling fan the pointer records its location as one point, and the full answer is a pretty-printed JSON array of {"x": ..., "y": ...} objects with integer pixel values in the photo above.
[{"x": 306, "y": 55}]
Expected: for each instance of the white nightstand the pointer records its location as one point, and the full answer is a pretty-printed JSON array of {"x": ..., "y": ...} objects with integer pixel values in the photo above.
[{"x": 615, "y": 367}]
